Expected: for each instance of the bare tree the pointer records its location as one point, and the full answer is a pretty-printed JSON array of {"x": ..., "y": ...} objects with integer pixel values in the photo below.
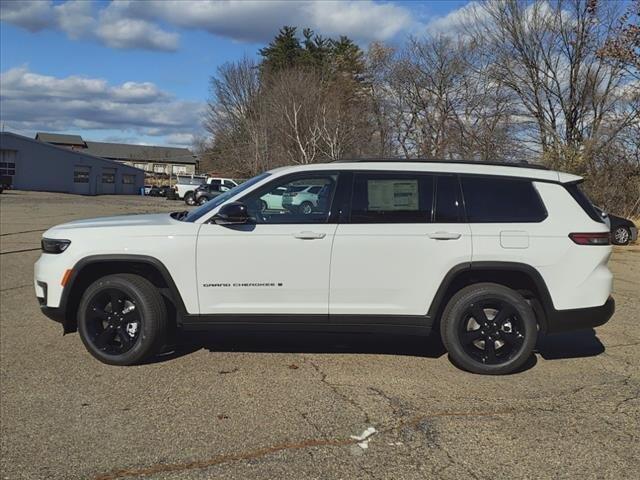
[{"x": 547, "y": 53}]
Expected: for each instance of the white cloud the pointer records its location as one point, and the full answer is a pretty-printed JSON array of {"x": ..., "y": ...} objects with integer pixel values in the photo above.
[
  {"x": 258, "y": 21},
  {"x": 33, "y": 15},
  {"x": 454, "y": 22},
  {"x": 33, "y": 102},
  {"x": 78, "y": 20},
  {"x": 136, "y": 24}
]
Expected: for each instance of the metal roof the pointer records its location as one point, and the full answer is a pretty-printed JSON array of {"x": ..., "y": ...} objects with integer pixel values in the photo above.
[
  {"x": 145, "y": 153},
  {"x": 121, "y": 151},
  {"x": 60, "y": 139}
]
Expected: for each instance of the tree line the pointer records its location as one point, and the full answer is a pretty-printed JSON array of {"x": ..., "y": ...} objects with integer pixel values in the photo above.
[{"x": 551, "y": 82}]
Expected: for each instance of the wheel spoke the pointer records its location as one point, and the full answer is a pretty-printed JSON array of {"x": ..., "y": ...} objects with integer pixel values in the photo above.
[
  {"x": 478, "y": 314},
  {"x": 503, "y": 315},
  {"x": 490, "y": 350},
  {"x": 513, "y": 339},
  {"x": 471, "y": 335},
  {"x": 99, "y": 313},
  {"x": 117, "y": 300},
  {"x": 105, "y": 337},
  {"x": 124, "y": 338}
]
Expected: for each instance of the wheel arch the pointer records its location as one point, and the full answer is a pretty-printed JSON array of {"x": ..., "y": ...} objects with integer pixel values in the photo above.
[
  {"x": 519, "y": 276},
  {"x": 89, "y": 269}
]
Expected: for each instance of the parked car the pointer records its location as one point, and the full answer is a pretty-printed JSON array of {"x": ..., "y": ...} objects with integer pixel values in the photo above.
[
  {"x": 159, "y": 191},
  {"x": 187, "y": 184},
  {"x": 393, "y": 249},
  {"x": 302, "y": 198},
  {"x": 272, "y": 200},
  {"x": 206, "y": 192},
  {"x": 147, "y": 189},
  {"x": 623, "y": 230}
]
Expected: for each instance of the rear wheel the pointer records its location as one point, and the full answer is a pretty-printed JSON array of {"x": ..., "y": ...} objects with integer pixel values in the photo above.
[
  {"x": 122, "y": 319},
  {"x": 488, "y": 328},
  {"x": 202, "y": 200},
  {"x": 621, "y": 236}
]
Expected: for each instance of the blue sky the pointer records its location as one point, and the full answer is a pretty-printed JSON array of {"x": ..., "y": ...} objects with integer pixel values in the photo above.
[{"x": 138, "y": 71}]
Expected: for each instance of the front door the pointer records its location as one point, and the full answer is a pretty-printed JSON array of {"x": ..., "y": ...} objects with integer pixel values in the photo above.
[
  {"x": 405, "y": 232},
  {"x": 278, "y": 265}
]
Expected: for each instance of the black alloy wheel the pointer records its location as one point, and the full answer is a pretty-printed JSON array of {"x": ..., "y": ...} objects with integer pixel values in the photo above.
[
  {"x": 491, "y": 332},
  {"x": 122, "y": 319},
  {"x": 489, "y": 328},
  {"x": 113, "y": 322}
]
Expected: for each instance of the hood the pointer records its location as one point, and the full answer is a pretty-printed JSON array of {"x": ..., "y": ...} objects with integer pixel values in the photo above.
[{"x": 156, "y": 219}]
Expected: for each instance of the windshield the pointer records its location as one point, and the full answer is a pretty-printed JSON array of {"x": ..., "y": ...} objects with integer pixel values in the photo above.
[{"x": 194, "y": 215}]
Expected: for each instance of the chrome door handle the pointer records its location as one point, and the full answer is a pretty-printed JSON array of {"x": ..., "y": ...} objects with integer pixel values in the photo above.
[
  {"x": 309, "y": 235},
  {"x": 445, "y": 235}
]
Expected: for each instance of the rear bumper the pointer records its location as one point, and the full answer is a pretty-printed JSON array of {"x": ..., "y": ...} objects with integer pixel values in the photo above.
[
  {"x": 581, "y": 318},
  {"x": 634, "y": 233}
]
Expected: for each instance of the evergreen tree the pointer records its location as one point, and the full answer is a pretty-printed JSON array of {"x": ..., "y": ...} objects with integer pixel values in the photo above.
[{"x": 283, "y": 52}]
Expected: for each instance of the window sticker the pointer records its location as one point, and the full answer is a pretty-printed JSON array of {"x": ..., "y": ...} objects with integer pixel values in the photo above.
[{"x": 390, "y": 195}]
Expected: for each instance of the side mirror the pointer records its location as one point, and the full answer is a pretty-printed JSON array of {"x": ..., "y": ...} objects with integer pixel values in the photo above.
[{"x": 234, "y": 213}]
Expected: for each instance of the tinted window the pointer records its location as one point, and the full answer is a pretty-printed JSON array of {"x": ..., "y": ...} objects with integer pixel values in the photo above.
[
  {"x": 584, "y": 201},
  {"x": 493, "y": 199},
  {"x": 448, "y": 208},
  {"x": 391, "y": 198}
]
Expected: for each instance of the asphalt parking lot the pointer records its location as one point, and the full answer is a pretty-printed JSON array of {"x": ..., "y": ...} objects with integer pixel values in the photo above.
[{"x": 284, "y": 406}]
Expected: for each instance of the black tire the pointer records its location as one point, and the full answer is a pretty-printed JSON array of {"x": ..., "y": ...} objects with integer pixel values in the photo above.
[
  {"x": 263, "y": 206},
  {"x": 202, "y": 200},
  {"x": 189, "y": 198},
  {"x": 306, "y": 208},
  {"x": 505, "y": 319},
  {"x": 621, "y": 236},
  {"x": 106, "y": 332}
]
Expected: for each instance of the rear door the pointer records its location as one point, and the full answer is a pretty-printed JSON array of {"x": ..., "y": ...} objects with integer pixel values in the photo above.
[{"x": 403, "y": 233}]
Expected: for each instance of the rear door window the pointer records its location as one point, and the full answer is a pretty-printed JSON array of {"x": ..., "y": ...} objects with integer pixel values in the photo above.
[
  {"x": 499, "y": 199},
  {"x": 392, "y": 198},
  {"x": 448, "y": 206}
]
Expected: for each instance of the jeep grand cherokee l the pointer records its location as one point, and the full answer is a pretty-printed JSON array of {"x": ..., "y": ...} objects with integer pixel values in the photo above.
[{"x": 490, "y": 254}]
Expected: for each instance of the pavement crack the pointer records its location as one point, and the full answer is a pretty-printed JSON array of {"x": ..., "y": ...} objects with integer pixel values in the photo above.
[
  {"x": 16, "y": 288},
  {"x": 222, "y": 459},
  {"x": 334, "y": 388}
]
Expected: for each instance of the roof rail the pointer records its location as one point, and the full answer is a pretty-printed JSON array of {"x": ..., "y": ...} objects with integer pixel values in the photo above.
[{"x": 521, "y": 164}]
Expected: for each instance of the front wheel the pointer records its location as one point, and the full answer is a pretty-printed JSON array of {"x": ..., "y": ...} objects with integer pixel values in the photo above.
[
  {"x": 202, "y": 200},
  {"x": 122, "y": 319},
  {"x": 621, "y": 236},
  {"x": 489, "y": 329},
  {"x": 190, "y": 198},
  {"x": 306, "y": 208}
]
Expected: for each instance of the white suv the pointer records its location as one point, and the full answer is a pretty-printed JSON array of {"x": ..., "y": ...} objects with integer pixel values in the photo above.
[{"x": 489, "y": 254}]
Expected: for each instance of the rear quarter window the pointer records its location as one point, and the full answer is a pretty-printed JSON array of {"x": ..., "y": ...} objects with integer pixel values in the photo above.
[{"x": 497, "y": 200}]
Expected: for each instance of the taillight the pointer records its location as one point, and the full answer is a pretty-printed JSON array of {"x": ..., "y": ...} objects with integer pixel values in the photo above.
[{"x": 599, "y": 238}]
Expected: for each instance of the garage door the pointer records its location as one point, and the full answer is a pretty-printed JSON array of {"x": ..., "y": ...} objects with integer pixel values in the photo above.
[
  {"x": 108, "y": 181},
  {"x": 81, "y": 180}
]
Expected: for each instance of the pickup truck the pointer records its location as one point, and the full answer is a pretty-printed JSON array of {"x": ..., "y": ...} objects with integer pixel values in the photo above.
[{"x": 187, "y": 184}]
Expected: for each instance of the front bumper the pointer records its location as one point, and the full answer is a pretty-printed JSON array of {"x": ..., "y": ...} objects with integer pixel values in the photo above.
[{"x": 580, "y": 319}]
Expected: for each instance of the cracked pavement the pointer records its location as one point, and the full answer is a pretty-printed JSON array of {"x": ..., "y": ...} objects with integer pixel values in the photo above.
[{"x": 285, "y": 406}]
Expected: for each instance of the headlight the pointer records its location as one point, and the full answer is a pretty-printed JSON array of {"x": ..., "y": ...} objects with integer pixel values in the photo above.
[{"x": 52, "y": 245}]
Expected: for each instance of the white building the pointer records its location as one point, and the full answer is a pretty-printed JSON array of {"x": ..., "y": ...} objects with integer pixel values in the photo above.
[{"x": 28, "y": 164}]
